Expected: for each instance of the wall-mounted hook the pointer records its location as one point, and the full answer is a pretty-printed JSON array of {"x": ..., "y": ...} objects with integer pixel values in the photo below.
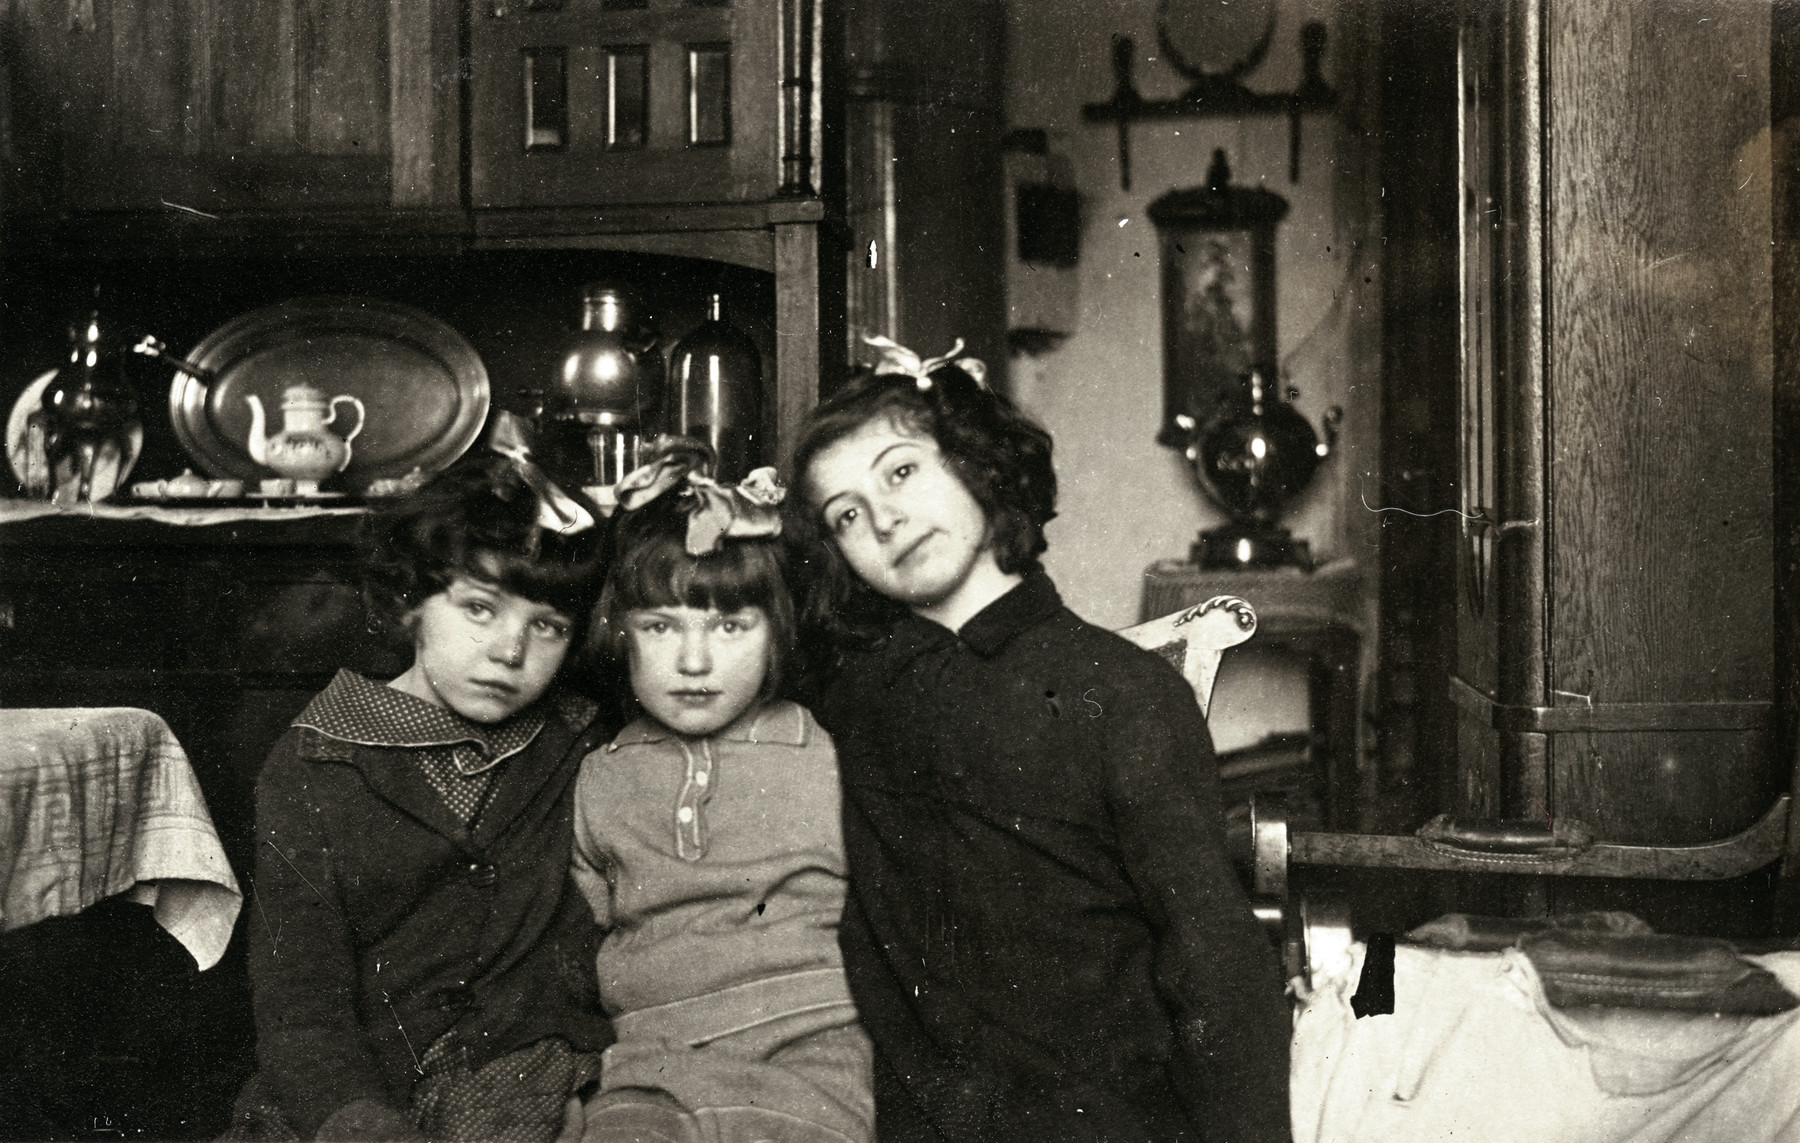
[{"x": 1220, "y": 95}]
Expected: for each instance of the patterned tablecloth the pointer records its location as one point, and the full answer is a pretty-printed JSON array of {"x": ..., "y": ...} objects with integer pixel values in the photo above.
[{"x": 98, "y": 802}]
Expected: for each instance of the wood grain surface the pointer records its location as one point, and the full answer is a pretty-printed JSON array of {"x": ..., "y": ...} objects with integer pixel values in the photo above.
[{"x": 1659, "y": 404}]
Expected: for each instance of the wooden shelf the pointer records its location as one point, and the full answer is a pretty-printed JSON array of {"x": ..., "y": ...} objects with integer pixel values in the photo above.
[
  {"x": 270, "y": 527},
  {"x": 685, "y": 229},
  {"x": 180, "y": 679}
]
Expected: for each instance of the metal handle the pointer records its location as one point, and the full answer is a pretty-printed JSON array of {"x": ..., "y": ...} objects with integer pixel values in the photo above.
[
  {"x": 1565, "y": 838},
  {"x": 151, "y": 346}
]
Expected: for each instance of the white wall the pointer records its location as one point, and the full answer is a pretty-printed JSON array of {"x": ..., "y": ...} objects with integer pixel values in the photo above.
[{"x": 1125, "y": 500}]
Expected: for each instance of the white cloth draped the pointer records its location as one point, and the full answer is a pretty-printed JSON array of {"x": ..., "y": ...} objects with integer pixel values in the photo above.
[
  {"x": 96, "y": 802},
  {"x": 1474, "y": 1051}
]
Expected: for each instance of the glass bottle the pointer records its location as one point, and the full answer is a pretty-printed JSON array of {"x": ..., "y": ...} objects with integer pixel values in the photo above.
[{"x": 715, "y": 376}]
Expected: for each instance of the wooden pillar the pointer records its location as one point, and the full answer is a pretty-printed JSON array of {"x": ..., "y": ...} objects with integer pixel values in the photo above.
[{"x": 799, "y": 331}]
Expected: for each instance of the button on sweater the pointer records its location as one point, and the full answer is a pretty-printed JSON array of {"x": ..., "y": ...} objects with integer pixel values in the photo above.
[{"x": 712, "y": 861}]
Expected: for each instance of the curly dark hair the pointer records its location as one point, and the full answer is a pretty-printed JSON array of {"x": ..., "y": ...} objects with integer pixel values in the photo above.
[
  {"x": 652, "y": 568},
  {"x": 477, "y": 518},
  {"x": 1001, "y": 456}
]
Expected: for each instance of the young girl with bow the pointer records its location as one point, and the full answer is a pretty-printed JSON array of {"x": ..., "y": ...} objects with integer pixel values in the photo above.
[
  {"x": 1044, "y": 936},
  {"x": 707, "y": 837},
  {"x": 418, "y": 950}
]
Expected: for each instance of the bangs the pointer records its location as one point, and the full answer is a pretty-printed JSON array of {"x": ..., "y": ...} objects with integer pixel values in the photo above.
[
  {"x": 656, "y": 571},
  {"x": 660, "y": 573},
  {"x": 568, "y": 589}
]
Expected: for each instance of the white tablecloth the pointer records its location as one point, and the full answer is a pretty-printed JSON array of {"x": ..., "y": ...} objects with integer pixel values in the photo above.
[
  {"x": 1473, "y": 1051},
  {"x": 96, "y": 802},
  {"x": 228, "y": 512}
]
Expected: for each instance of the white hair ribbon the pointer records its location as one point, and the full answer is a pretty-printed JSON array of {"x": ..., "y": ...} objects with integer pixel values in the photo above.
[
  {"x": 716, "y": 512},
  {"x": 557, "y": 511},
  {"x": 896, "y": 358}
]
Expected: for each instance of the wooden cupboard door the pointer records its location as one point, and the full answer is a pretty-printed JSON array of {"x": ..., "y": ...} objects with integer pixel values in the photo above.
[
  {"x": 594, "y": 102},
  {"x": 1660, "y": 468},
  {"x": 216, "y": 105},
  {"x": 1615, "y": 657}
]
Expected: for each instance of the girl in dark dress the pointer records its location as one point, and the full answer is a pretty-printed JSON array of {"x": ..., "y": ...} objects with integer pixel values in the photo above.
[
  {"x": 421, "y": 961},
  {"x": 1043, "y": 935}
]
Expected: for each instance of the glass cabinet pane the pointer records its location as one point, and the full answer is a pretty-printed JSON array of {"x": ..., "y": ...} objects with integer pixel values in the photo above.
[
  {"x": 709, "y": 95},
  {"x": 627, "y": 96},
  {"x": 546, "y": 99}
]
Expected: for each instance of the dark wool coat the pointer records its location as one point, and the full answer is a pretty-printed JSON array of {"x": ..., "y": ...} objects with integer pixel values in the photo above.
[
  {"x": 1044, "y": 936},
  {"x": 380, "y": 922}
]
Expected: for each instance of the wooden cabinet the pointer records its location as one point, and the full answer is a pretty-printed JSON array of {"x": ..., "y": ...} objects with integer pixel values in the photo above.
[
  {"x": 198, "y": 158},
  {"x": 214, "y": 105},
  {"x": 226, "y": 630},
  {"x": 581, "y": 102},
  {"x": 1615, "y": 558},
  {"x": 169, "y": 135},
  {"x": 321, "y": 105}
]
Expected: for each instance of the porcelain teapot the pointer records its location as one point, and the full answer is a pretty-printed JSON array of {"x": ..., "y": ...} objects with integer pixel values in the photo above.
[{"x": 304, "y": 451}]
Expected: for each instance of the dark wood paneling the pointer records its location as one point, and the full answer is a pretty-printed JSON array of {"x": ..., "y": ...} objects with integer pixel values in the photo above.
[
  {"x": 1417, "y": 636},
  {"x": 1659, "y": 448},
  {"x": 253, "y": 75},
  {"x": 152, "y": 61},
  {"x": 341, "y": 57},
  {"x": 425, "y": 108},
  {"x": 216, "y": 105}
]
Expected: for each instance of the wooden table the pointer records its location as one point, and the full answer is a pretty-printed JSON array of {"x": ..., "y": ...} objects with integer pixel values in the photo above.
[{"x": 99, "y": 802}]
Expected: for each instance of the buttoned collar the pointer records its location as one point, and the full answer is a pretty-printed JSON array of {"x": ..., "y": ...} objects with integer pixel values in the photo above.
[{"x": 781, "y": 722}]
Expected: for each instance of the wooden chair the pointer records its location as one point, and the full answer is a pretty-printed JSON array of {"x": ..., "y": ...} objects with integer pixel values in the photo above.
[{"x": 1194, "y": 639}]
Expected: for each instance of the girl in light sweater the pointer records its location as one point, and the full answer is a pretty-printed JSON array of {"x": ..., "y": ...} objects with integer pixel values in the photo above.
[{"x": 708, "y": 841}]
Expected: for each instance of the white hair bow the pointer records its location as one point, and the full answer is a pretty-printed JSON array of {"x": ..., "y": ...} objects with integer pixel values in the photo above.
[
  {"x": 557, "y": 511},
  {"x": 896, "y": 358}
]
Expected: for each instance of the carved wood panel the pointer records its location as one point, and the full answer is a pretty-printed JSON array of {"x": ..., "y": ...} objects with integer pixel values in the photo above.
[{"x": 1616, "y": 657}]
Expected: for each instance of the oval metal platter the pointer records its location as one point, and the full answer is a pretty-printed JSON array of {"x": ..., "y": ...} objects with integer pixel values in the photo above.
[{"x": 423, "y": 386}]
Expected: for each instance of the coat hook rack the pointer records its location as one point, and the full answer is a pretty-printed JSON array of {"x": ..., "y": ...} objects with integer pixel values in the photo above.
[{"x": 1214, "y": 94}]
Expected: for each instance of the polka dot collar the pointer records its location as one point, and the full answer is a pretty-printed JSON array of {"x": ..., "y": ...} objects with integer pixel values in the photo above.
[{"x": 357, "y": 710}]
